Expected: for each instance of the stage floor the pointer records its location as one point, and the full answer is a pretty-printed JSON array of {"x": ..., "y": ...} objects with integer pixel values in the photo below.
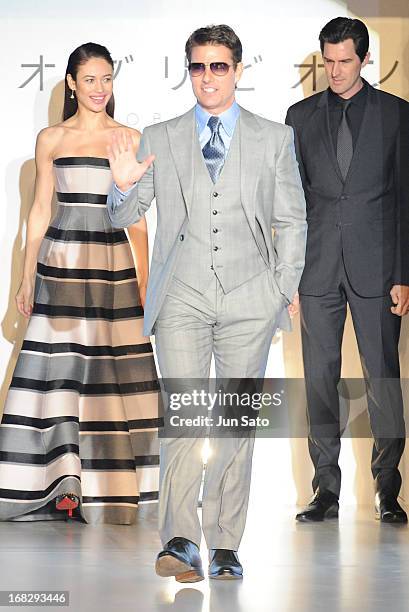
[{"x": 353, "y": 564}]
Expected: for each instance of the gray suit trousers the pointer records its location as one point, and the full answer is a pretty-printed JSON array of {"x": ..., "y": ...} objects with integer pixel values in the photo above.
[{"x": 237, "y": 328}]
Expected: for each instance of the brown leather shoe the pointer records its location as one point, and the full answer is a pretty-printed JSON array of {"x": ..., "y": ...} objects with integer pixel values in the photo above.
[{"x": 180, "y": 558}]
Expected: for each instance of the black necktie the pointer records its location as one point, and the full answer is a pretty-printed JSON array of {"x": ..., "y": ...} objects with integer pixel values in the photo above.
[
  {"x": 214, "y": 150},
  {"x": 345, "y": 147}
]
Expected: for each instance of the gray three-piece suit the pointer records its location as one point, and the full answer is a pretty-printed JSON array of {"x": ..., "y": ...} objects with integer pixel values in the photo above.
[{"x": 219, "y": 285}]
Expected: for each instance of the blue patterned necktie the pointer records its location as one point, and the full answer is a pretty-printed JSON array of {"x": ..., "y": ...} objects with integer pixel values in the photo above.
[{"x": 214, "y": 149}]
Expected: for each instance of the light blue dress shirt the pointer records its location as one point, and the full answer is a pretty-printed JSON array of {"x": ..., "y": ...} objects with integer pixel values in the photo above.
[{"x": 228, "y": 122}]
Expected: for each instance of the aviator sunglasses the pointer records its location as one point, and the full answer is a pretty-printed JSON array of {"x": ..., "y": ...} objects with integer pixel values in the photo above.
[{"x": 218, "y": 68}]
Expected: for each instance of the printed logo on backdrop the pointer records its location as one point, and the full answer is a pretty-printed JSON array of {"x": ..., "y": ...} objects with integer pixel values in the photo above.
[
  {"x": 41, "y": 66},
  {"x": 313, "y": 69},
  {"x": 257, "y": 59},
  {"x": 175, "y": 74}
]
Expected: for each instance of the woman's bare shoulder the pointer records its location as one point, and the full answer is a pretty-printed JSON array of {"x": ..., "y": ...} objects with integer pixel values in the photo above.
[
  {"x": 51, "y": 134},
  {"x": 49, "y": 138}
]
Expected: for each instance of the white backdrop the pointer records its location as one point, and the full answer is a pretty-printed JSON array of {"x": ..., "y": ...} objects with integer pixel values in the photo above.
[{"x": 146, "y": 40}]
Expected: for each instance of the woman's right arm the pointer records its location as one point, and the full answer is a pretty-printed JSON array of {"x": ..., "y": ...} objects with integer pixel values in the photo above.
[{"x": 39, "y": 218}]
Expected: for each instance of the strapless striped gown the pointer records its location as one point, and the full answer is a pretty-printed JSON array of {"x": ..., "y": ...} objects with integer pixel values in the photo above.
[{"x": 81, "y": 415}]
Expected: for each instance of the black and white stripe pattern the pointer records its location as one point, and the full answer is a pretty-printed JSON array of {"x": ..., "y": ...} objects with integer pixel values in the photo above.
[{"x": 81, "y": 415}]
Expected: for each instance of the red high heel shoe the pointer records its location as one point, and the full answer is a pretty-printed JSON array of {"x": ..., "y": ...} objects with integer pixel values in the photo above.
[{"x": 67, "y": 501}]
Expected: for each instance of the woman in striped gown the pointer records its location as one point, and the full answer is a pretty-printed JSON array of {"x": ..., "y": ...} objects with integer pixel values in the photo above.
[{"x": 79, "y": 429}]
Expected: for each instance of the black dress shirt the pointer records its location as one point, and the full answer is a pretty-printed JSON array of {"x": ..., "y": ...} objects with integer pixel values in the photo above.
[{"x": 354, "y": 113}]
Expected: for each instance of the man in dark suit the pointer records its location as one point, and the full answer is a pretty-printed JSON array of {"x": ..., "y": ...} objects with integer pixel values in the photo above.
[{"x": 353, "y": 154}]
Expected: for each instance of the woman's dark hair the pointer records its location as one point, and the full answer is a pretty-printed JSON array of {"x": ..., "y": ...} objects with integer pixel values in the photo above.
[
  {"x": 340, "y": 29},
  {"x": 215, "y": 35},
  {"x": 79, "y": 56}
]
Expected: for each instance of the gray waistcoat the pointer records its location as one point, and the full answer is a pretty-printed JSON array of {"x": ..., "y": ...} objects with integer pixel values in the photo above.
[{"x": 219, "y": 239}]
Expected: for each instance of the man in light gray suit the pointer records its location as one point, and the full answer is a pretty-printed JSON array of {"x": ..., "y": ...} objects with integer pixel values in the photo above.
[{"x": 219, "y": 283}]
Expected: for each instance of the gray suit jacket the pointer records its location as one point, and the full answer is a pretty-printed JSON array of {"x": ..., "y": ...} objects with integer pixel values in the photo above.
[{"x": 271, "y": 194}]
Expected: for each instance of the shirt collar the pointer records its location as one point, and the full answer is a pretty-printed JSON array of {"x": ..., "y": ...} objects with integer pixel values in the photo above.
[
  {"x": 359, "y": 98},
  {"x": 228, "y": 118}
]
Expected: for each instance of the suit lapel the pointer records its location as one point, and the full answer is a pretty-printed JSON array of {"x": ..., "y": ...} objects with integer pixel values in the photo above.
[
  {"x": 369, "y": 137},
  {"x": 251, "y": 158},
  {"x": 182, "y": 137},
  {"x": 322, "y": 121}
]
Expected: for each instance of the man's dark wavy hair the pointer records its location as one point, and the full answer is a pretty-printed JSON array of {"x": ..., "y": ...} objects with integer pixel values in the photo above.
[{"x": 340, "y": 29}]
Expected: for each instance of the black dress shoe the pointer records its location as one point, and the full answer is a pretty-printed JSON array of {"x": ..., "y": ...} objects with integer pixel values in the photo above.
[
  {"x": 180, "y": 558},
  {"x": 388, "y": 510},
  {"x": 324, "y": 505},
  {"x": 224, "y": 564}
]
